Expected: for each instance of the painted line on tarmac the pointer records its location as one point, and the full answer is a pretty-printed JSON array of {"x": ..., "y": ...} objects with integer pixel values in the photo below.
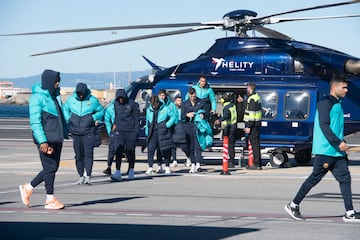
[
  {"x": 208, "y": 217},
  {"x": 167, "y": 214},
  {"x": 173, "y": 215},
  {"x": 139, "y": 214}
]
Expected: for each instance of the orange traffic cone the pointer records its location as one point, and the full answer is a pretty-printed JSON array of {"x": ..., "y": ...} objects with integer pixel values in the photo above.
[
  {"x": 225, "y": 163},
  {"x": 251, "y": 155}
]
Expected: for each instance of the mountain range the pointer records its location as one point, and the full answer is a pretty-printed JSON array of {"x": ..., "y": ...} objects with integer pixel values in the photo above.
[{"x": 93, "y": 80}]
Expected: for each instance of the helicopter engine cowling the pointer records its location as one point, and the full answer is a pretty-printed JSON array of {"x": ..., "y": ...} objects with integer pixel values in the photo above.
[{"x": 352, "y": 66}]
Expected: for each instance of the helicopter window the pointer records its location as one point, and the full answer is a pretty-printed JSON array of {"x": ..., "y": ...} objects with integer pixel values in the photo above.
[
  {"x": 297, "y": 105},
  {"x": 298, "y": 66},
  {"x": 143, "y": 98},
  {"x": 269, "y": 102},
  {"x": 172, "y": 93}
]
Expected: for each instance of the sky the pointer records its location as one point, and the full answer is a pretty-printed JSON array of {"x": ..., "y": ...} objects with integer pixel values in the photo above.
[{"x": 18, "y": 16}]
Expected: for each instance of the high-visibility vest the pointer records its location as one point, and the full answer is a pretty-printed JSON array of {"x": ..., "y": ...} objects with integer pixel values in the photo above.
[
  {"x": 253, "y": 112},
  {"x": 233, "y": 114}
]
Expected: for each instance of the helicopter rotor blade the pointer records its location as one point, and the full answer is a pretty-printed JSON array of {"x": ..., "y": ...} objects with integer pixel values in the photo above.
[
  {"x": 280, "y": 20},
  {"x": 271, "y": 33},
  {"x": 136, "y": 38},
  {"x": 308, "y": 9},
  {"x": 170, "y": 25}
]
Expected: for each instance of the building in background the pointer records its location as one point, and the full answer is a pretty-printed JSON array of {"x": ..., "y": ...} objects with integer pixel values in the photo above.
[{"x": 8, "y": 90}]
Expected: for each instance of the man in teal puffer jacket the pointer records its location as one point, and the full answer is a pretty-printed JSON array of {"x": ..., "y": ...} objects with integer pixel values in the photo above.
[
  {"x": 206, "y": 96},
  {"x": 159, "y": 120},
  {"x": 49, "y": 131},
  {"x": 83, "y": 112}
]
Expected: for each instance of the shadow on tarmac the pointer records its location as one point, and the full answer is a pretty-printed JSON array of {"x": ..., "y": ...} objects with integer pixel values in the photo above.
[
  {"x": 100, "y": 201},
  {"x": 41, "y": 230}
]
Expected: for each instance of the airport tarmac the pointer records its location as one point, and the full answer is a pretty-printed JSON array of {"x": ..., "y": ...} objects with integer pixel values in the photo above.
[{"x": 207, "y": 205}]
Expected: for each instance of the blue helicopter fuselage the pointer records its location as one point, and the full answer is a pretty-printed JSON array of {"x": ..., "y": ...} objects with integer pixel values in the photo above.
[{"x": 290, "y": 76}]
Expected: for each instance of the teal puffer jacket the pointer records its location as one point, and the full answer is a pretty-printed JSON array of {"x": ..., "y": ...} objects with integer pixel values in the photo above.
[{"x": 46, "y": 123}]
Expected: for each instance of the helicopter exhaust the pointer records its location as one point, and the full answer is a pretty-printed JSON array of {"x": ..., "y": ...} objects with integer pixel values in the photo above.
[{"x": 352, "y": 66}]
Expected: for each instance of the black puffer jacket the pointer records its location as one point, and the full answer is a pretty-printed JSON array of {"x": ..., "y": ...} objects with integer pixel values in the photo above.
[{"x": 126, "y": 114}]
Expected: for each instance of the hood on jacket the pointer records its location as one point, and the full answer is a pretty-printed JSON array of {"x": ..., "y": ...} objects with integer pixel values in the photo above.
[
  {"x": 48, "y": 80},
  {"x": 120, "y": 93},
  {"x": 82, "y": 90}
]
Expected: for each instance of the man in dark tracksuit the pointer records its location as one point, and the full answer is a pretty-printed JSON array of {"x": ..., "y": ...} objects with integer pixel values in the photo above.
[
  {"x": 330, "y": 151},
  {"x": 229, "y": 123},
  {"x": 188, "y": 111},
  {"x": 49, "y": 130},
  {"x": 252, "y": 119},
  {"x": 83, "y": 112},
  {"x": 125, "y": 113}
]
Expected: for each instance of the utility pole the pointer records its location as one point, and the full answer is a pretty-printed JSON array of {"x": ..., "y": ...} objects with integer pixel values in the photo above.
[
  {"x": 114, "y": 84},
  {"x": 129, "y": 74}
]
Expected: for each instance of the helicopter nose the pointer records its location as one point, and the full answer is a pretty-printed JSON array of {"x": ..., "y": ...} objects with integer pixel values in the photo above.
[{"x": 352, "y": 66}]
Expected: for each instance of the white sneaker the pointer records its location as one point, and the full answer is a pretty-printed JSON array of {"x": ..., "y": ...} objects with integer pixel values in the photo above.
[
  {"x": 188, "y": 162},
  {"x": 87, "y": 180},
  {"x": 174, "y": 164},
  {"x": 167, "y": 170},
  {"x": 81, "y": 180},
  {"x": 116, "y": 176},
  {"x": 354, "y": 217},
  {"x": 131, "y": 174},
  {"x": 149, "y": 171},
  {"x": 192, "y": 169},
  {"x": 197, "y": 167},
  {"x": 159, "y": 169}
]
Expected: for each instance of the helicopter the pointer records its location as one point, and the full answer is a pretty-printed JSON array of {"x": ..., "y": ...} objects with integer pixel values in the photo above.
[{"x": 290, "y": 76}]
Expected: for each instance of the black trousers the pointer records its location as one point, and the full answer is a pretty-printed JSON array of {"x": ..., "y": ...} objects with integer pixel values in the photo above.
[
  {"x": 50, "y": 165},
  {"x": 111, "y": 150},
  {"x": 254, "y": 138},
  {"x": 124, "y": 142},
  {"x": 339, "y": 168},
  {"x": 230, "y": 132},
  {"x": 192, "y": 143},
  {"x": 84, "y": 153}
]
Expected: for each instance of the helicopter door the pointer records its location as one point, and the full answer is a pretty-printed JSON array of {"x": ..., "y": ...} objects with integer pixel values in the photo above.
[{"x": 219, "y": 93}]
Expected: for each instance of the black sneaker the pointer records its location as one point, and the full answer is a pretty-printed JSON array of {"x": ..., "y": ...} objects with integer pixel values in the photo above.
[
  {"x": 355, "y": 217},
  {"x": 294, "y": 212},
  {"x": 107, "y": 171}
]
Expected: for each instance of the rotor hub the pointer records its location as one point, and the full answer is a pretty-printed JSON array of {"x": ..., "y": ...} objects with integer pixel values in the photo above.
[{"x": 239, "y": 21}]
